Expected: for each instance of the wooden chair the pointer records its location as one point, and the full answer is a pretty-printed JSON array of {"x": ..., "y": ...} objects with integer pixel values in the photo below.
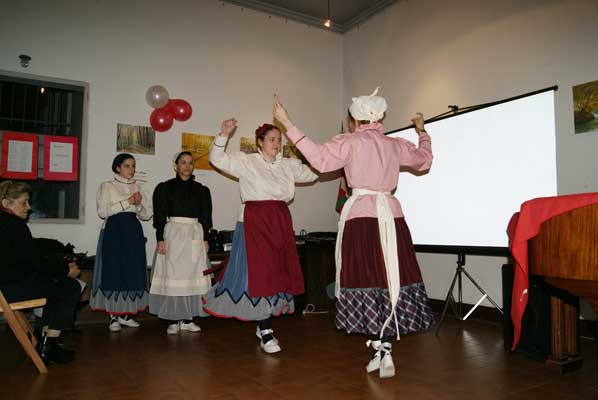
[{"x": 21, "y": 327}]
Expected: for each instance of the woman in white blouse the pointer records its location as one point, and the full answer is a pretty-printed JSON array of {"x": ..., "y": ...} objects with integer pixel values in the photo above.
[
  {"x": 262, "y": 273},
  {"x": 119, "y": 285}
]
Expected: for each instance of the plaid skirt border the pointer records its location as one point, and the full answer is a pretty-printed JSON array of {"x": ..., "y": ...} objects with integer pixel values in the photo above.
[{"x": 365, "y": 310}]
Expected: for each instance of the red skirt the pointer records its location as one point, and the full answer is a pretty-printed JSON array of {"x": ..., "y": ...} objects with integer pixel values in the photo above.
[{"x": 272, "y": 260}]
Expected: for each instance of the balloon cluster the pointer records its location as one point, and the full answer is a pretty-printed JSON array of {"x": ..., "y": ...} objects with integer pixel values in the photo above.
[{"x": 166, "y": 110}]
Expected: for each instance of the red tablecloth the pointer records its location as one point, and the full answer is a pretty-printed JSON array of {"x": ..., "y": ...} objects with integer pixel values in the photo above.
[{"x": 523, "y": 226}]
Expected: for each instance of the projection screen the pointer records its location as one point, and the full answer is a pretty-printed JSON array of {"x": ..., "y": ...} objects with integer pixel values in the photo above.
[{"x": 486, "y": 163}]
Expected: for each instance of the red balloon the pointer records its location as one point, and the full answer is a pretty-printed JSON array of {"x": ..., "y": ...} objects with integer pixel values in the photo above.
[
  {"x": 161, "y": 119},
  {"x": 181, "y": 110}
]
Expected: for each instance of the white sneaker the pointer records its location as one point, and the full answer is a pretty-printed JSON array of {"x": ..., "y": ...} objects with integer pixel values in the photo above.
[
  {"x": 129, "y": 322},
  {"x": 173, "y": 329},
  {"x": 374, "y": 363},
  {"x": 271, "y": 346},
  {"x": 114, "y": 326},
  {"x": 387, "y": 367},
  {"x": 189, "y": 326}
]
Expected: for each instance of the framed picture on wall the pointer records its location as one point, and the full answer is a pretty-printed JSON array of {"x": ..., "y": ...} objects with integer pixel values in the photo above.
[
  {"x": 19, "y": 155},
  {"x": 135, "y": 139},
  {"x": 585, "y": 107},
  {"x": 247, "y": 145},
  {"x": 199, "y": 145}
]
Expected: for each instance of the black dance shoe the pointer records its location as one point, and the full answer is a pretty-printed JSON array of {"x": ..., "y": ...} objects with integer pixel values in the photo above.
[{"x": 52, "y": 352}]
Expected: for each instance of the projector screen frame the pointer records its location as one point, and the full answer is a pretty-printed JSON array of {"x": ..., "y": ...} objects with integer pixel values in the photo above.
[
  {"x": 456, "y": 110},
  {"x": 497, "y": 251}
]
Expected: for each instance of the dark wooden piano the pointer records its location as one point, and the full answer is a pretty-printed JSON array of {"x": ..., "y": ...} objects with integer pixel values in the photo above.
[{"x": 565, "y": 253}]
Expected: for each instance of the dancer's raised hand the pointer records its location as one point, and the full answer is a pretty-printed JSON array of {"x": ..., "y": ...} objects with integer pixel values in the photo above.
[
  {"x": 418, "y": 122},
  {"x": 228, "y": 127},
  {"x": 280, "y": 113}
]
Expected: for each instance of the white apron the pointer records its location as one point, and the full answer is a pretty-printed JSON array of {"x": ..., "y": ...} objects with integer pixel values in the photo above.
[
  {"x": 388, "y": 242},
  {"x": 180, "y": 271}
]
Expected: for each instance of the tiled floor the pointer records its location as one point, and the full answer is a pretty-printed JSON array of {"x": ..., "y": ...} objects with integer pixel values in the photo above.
[{"x": 317, "y": 362}]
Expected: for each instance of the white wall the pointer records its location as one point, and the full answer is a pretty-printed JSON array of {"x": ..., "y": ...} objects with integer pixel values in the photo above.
[
  {"x": 224, "y": 60},
  {"x": 427, "y": 54}
]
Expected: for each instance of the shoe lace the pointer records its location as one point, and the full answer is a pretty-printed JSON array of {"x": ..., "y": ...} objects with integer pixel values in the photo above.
[
  {"x": 386, "y": 348},
  {"x": 374, "y": 344},
  {"x": 266, "y": 332}
]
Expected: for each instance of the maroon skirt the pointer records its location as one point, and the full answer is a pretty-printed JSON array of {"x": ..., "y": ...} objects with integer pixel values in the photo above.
[
  {"x": 364, "y": 302},
  {"x": 272, "y": 259},
  {"x": 363, "y": 260}
]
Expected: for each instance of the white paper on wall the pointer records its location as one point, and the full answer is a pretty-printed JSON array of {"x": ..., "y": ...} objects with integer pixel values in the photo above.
[
  {"x": 20, "y": 156},
  {"x": 61, "y": 157}
]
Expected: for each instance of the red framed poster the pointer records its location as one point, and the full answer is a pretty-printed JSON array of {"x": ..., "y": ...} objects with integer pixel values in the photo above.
[
  {"x": 61, "y": 158},
  {"x": 19, "y": 155}
]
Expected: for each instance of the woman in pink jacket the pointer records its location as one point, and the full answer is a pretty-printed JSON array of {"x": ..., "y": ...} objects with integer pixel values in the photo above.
[{"x": 379, "y": 285}]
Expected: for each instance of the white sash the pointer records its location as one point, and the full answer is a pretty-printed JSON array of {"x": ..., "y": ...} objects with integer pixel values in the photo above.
[
  {"x": 183, "y": 220},
  {"x": 388, "y": 242}
]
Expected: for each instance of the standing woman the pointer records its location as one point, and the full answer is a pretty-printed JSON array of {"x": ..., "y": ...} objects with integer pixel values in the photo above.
[
  {"x": 263, "y": 272},
  {"x": 182, "y": 218},
  {"x": 119, "y": 285},
  {"x": 379, "y": 285}
]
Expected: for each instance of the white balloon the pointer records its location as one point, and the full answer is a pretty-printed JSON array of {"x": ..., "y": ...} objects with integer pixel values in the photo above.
[{"x": 157, "y": 96}]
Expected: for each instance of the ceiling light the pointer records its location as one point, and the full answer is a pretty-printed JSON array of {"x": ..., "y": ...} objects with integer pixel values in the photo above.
[{"x": 328, "y": 21}]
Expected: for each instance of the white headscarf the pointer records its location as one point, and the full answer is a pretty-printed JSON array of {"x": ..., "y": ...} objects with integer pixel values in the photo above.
[{"x": 368, "y": 108}]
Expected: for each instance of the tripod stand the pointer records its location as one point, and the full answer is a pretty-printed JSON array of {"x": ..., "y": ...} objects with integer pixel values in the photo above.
[{"x": 450, "y": 299}]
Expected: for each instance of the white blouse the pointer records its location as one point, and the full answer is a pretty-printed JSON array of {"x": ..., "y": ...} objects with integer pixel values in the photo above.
[
  {"x": 260, "y": 179},
  {"x": 112, "y": 198}
]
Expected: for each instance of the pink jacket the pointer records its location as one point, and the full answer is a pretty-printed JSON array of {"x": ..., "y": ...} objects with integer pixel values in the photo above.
[{"x": 370, "y": 159}]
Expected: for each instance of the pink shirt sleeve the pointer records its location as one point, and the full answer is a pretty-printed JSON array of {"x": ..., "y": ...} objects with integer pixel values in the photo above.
[
  {"x": 326, "y": 157},
  {"x": 418, "y": 158}
]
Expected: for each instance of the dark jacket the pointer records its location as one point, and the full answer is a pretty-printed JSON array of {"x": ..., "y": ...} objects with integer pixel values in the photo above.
[
  {"x": 19, "y": 256},
  {"x": 179, "y": 198}
]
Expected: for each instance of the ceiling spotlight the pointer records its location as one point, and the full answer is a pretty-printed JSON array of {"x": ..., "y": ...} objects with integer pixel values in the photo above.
[
  {"x": 42, "y": 90},
  {"x": 328, "y": 21}
]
